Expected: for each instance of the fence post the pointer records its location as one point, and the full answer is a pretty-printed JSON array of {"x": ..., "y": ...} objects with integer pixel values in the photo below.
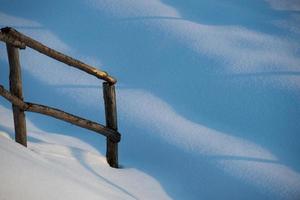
[
  {"x": 109, "y": 95},
  {"x": 15, "y": 84}
]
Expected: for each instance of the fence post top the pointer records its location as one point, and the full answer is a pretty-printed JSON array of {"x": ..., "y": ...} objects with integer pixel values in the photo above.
[{"x": 17, "y": 39}]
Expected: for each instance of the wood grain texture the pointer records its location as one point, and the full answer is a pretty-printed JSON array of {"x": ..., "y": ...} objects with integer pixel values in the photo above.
[
  {"x": 21, "y": 38},
  {"x": 56, "y": 113},
  {"x": 11, "y": 40},
  {"x": 15, "y": 85},
  {"x": 15, "y": 40},
  {"x": 111, "y": 122}
]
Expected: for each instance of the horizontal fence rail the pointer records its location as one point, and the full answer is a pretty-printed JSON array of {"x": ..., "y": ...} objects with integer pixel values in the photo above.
[
  {"x": 15, "y": 40},
  {"x": 56, "y": 113}
]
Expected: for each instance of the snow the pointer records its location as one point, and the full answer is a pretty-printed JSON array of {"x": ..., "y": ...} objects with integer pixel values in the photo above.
[
  {"x": 207, "y": 93},
  {"x": 58, "y": 167},
  {"x": 293, "y": 5}
]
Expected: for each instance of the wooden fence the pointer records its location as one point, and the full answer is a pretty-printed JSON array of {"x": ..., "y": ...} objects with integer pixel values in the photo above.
[{"x": 14, "y": 41}]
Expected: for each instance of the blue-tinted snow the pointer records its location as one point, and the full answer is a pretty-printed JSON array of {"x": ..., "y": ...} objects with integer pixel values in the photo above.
[{"x": 208, "y": 91}]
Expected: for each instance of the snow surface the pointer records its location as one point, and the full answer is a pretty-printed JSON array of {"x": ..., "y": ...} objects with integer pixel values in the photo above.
[
  {"x": 61, "y": 167},
  {"x": 208, "y": 100}
]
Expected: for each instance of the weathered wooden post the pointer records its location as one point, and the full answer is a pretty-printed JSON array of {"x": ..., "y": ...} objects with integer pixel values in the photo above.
[
  {"x": 111, "y": 122},
  {"x": 15, "y": 84},
  {"x": 15, "y": 41}
]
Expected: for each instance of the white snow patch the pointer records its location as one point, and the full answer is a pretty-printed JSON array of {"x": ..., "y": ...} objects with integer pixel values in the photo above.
[
  {"x": 236, "y": 156},
  {"x": 238, "y": 49},
  {"x": 241, "y": 50},
  {"x": 292, "y": 5},
  {"x": 133, "y": 8},
  {"x": 9, "y": 20},
  {"x": 63, "y": 167},
  {"x": 291, "y": 24},
  {"x": 44, "y": 68}
]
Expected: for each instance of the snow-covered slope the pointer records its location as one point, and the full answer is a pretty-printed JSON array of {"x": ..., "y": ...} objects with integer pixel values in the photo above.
[
  {"x": 60, "y": 167},
  {"x": 208, "y": 95}
]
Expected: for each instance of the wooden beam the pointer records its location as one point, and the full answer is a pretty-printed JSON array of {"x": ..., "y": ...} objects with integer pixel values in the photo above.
[
  {"x": 15, "y": 85},
  {"x": 11, "y": 40},
  {"x": 57, "y": 55},
  {"x": 111, "y": 122},
  {"x": 56, "y": 113}
]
